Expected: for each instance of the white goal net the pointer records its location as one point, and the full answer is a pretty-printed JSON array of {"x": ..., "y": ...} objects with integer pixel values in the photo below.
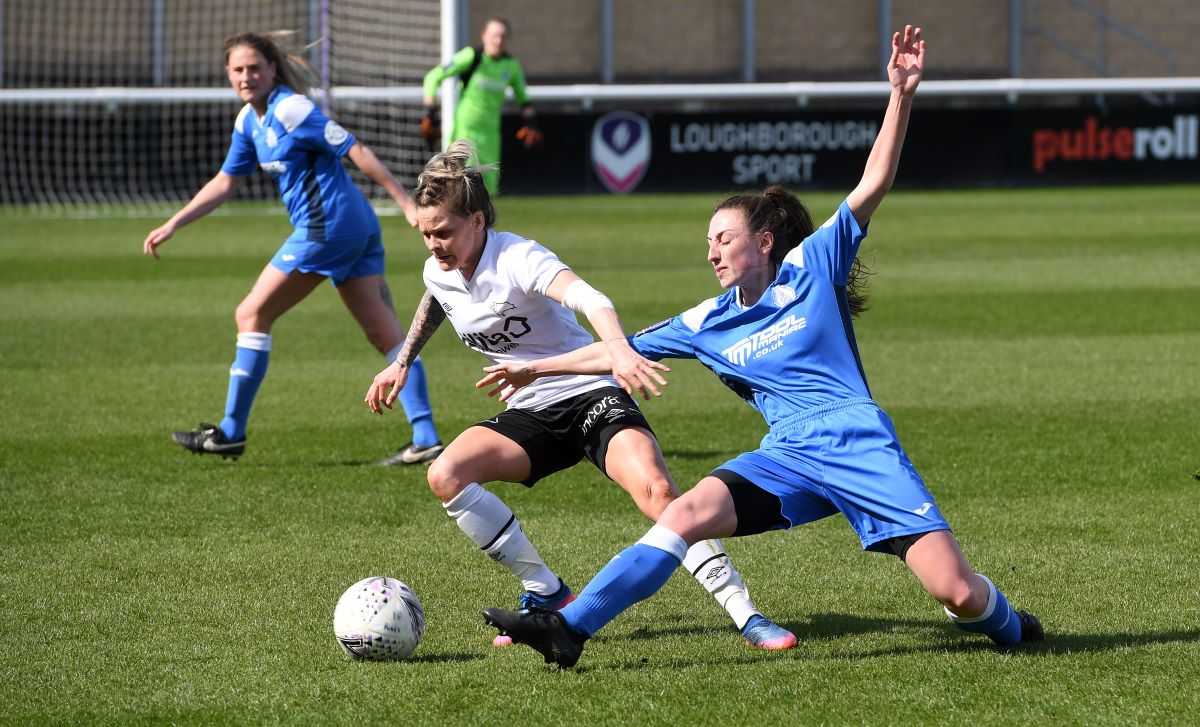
[{"x": 107, "y": 104}]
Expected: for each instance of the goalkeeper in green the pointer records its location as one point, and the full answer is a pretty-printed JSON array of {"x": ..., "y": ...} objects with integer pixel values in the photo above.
[{"x": 485, "y": 72}]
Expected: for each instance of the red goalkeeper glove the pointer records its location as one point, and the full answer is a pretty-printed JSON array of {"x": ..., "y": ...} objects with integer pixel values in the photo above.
[
  {"x": 429, "y": 125},
  {"x": 530, "y": 135}
]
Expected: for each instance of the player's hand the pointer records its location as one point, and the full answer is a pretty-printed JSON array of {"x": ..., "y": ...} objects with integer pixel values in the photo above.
[
  {"x": 410, "y": 212},
  {"x": 907, "y": 63},
  {"x": 530, "y": 135},
  {"x": 505, "y": 379},
  {"x": 157, "y": 237},
  {"x": 430, "y": 130},
  {"x": 634, "y": 372},
  {"x": 386, "y": 387}
]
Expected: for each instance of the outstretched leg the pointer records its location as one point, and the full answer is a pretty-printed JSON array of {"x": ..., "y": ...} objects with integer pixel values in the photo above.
[
  {"x": 633, "y": 575},
  {"x": 634, "y": 461},
  {"x": 970, "y": 600}
]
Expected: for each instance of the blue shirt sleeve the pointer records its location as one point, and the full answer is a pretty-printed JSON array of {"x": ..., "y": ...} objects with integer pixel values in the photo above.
[
  {"x": 241, "y": 159},
  {"x": 668, "y": 339},
  {"x": 323, "y": 134},
  {"x": 830, "y": 249}
]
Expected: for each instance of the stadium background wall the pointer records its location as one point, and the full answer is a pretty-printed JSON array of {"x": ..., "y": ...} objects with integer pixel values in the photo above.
[
  {"x": 826, "y": 149},
  {"x": 60, "y": 152}
]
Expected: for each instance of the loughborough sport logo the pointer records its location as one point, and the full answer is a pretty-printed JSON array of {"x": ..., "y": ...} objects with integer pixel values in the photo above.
[{"x": 621, "y": 150}]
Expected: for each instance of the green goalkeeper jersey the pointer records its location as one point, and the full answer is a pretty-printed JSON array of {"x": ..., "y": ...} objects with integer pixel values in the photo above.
[{"x": 481, "y": 98}]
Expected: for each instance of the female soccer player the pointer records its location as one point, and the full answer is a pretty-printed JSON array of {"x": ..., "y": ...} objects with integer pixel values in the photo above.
[
  {"x": 512, "y": 300},
  {"x": 337, "y": 236},
  {"x": 781, "y": 338}
]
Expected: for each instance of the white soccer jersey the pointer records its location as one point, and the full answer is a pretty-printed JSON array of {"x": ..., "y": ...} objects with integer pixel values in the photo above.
[{"x": 503, "y": 313}]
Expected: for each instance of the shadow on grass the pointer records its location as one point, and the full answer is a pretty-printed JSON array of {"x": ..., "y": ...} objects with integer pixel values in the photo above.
[
  {"x": 347, "y": 463},
  {"x": 830, "y": 627}
]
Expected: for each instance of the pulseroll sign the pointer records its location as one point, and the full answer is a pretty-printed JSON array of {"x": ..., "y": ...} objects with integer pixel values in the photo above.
[{"x": 624, "y": 152}]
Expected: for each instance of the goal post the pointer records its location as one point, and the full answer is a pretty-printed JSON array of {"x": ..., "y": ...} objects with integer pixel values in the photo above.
[{"x": 121, "y": 103}]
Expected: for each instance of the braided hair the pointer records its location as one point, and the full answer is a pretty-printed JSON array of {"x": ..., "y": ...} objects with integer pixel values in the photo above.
[{"x": 453, "y": 181}]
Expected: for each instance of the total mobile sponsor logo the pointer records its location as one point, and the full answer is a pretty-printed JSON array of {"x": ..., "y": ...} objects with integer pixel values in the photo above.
[
  {"x": 760, "y": 343},
  {"x": 1094, "y": 142},
  {"x": 502, "y": 341}
]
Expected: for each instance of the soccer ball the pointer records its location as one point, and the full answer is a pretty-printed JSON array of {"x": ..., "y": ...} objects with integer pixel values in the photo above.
[{"x": 379, "y": 618}]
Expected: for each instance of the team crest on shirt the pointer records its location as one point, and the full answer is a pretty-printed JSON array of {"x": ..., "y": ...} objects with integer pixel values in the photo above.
[
  {"x": 502, "y": 309},
  {"x": 334, "y": 133},
  {"x": 782, "y": 295},
  {"x": 621, "y": 150}
]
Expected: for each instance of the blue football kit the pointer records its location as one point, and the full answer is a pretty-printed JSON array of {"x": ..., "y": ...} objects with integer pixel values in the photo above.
[
  {"x": 793, "y": 357},
  {"x": 336, "y": 233}
]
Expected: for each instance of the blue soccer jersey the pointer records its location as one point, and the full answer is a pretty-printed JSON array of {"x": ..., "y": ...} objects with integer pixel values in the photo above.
[
  {"x": 791, "y": 351},
  {"x": 792, "y": 355},
  {"x": 302, "y": 149}
]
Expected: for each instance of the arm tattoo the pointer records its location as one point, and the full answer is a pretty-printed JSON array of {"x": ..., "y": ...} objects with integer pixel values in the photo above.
[{"x": 425, "y": 321}]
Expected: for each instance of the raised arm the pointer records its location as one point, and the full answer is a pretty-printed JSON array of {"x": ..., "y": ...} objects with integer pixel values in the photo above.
[
  {"x": 905, "y": 68},
  {"x": 388, "y": 383},
  {"x": 211, "y": 196},
  {"x": 365, "y": 159}
]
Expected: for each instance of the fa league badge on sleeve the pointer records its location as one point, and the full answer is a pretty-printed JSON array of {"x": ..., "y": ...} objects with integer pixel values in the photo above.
[
  {"x": 334, "y": 133},
  {"x": 621, "y": 150}
]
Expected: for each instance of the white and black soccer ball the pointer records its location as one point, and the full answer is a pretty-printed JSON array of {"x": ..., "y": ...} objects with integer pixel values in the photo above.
[{"x": 379, "y": 618}]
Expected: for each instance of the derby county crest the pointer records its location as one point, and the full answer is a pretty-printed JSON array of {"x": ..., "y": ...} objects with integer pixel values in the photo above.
[{"x": 621, "y": 150}]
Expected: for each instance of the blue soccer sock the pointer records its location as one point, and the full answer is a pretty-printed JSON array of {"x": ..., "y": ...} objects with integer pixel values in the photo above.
[
  {"x": 998, "y": 621},
  {"x": 414, "y": 399},
  {"x": 635, "y": 574},
  {"x": 247, "y": 373}
]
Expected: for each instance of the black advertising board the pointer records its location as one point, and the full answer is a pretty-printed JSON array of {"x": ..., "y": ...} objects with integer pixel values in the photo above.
[{"x": 623, "y": 152}]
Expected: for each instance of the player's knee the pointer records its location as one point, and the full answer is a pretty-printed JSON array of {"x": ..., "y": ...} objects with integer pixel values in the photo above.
[
  {"x": 444, "y": 480},
  {"x": 955, "y": 594},
  {"x": 680, "y": 515},
  {"x": 658, "y": 492},
  {"x": 379, "y": 339},
  {"x": 247, "y": 316},
  {"x": 250, "y": 316}
]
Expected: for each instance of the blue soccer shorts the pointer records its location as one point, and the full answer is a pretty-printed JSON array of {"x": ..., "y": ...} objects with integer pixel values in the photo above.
[
  {"x": 842, "y": 457},
  {"x": 339, "y": 261}
]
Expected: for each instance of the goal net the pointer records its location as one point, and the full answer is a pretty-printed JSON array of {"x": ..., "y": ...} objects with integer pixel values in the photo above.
[{"x": 108, "y": 104}]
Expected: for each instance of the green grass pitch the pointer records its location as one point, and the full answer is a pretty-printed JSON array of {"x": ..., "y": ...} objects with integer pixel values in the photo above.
[{"x": 1037, "y": 349}]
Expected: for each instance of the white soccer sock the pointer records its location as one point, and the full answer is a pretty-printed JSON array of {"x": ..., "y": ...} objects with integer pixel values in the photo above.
[
  {"x": 707, "y": 562},
  {"x": 489, "y": 523}
]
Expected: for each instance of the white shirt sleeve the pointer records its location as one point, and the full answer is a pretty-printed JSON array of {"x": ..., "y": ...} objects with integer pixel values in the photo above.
[{"x": 537, "y": 269}]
